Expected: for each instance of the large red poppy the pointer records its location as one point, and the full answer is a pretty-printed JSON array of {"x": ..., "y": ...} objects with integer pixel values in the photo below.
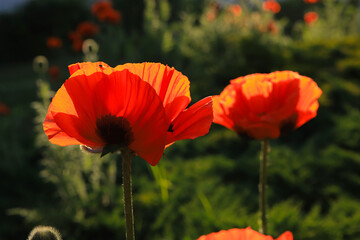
[
  {"x": 263, "y": 106},
  {"x": 173, "y": 88},
  {"x": 101, "y": 106},
  {"x": 243, "y": 234}
]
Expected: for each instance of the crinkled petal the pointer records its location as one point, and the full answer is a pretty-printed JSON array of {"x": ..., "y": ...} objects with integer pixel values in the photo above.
[
  {"x": 172, "y": 86},
  {"x": 286, "y": 236},
  {"x": 192, "y": 122}
]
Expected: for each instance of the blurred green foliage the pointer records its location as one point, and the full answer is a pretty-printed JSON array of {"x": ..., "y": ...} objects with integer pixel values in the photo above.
[{"x": 209, "y": 183}]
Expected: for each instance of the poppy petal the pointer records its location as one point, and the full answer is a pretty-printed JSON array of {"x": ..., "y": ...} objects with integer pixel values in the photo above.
[
  {"x": 221, "y": 106},
  {"x": 307, "y": 105},
  {"x": 192, "y": 122},
  {"x": 172, "y": 86},
  {"x": 286, "y": 236},
  {"x": 83, "y": 65},
  {"x": 55, "y": 134}
]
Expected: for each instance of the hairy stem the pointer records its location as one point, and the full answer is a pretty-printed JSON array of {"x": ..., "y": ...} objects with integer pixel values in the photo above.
[
  {"x": 127, "y": 187},
  {"x": 262, "y": 186}
]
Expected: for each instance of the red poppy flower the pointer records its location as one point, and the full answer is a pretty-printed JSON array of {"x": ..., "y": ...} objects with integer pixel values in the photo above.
[
  {"x": 100, "y": 6},
  {"x": 100, "y": 106},
  {"x": 235, "y": 9},
  {"x": 310, "y": 17},
  {"x": 4, "y": 109},
  {"x": 87, "y": 28},
  {"x": 173, "y": 88},
  {"x": 311, "y": 1},
  {"x": 243, "y": 234},
  {"x": 54, "y": 72},
  {"x": 54, "y": 42},
  {"x": 109, "y": 15},
  {"x": 263, "y": 106},
  {"x": 271, "y": 5},
  {"x": 77, "y": 41}
]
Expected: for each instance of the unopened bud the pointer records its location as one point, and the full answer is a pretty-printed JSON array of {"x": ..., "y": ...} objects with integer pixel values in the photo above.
[
  {"x": 40, "y": 65},
  {"x": 44, "y": 233}
]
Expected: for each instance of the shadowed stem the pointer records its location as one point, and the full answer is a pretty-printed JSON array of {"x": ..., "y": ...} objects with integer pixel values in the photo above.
[
  {"x": 128, "y": 202},
  {"x": 262, "y": 186}
]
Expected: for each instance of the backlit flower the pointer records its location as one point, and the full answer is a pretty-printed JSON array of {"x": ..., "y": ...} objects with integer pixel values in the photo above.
[
  {"x": 271, "y": 5},
  {"x": 310, "y": 17},
  {"x": 243, "y": 234},
  {"x": 263, "y": 106},
  {"x": 311, "y": 1},
  {"x": 102, "y": 107},
  {"x": 53, "y": 42},
  {"x": 173, "y": 88}
]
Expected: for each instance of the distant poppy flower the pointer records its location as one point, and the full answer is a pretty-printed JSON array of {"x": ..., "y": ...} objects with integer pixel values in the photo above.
[
  {"x": 100, "y": 6},
  {"x": 173, "y": 88},
  {"x": 4, "y": 109},
  {"x": 271, "y": 5},
  {"x": 243, "y": 234},
  {"x": 54, "y": 72},
  {"x": 100, "y": 106},
  {"x": 110, "y": 15},
  {"x": 272, "y": 27},
  {"x": 87, "y": 28},
  {"x": 310, "y": 17},
  {"x": 77, "y": 41},
  {"x": 311, "y": 1},
  {"x": 53, "y": 42},
  {"x": 235, "y": 9},
  {"x": 263, "y": 106}
]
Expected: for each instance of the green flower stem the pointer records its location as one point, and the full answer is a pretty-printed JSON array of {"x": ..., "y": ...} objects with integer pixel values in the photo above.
[
  {"x": 127, "y": 155},
  {"x": 262, "y": 186}
]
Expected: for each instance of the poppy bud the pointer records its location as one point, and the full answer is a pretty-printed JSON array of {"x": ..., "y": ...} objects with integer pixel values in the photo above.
[
  {"x": 44, "y": 233},
  {"x": 40, "y": 65}
]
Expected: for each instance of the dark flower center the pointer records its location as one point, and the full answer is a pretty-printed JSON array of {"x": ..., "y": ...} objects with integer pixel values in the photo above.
[
  {"x": 171, "y": 128},
  {"x": 115, "y": 130}
]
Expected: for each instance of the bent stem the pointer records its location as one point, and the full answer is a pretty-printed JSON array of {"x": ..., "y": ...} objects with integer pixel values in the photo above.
[
  {"x": 128, "y": 202},
  {"x": 262, "y": 186}
]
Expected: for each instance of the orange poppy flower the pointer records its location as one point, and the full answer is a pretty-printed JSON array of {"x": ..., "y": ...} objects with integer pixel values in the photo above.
[
  {"x": 310, "y": 17},
  {"x": 100, "y": 106},
  {"x": 235, "y": 9},
  {"x": 311, "y": 1},
  {"x": 263, "y": 106},
  {"x": 54, "y": 72},
  {"x": 53, "y": 42},
  {"x": 271, "y": 5},
  {"x": 173, "y": 88},
  {"x": 243, "y": 234},
  {"x": 87, "y": 28}
]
